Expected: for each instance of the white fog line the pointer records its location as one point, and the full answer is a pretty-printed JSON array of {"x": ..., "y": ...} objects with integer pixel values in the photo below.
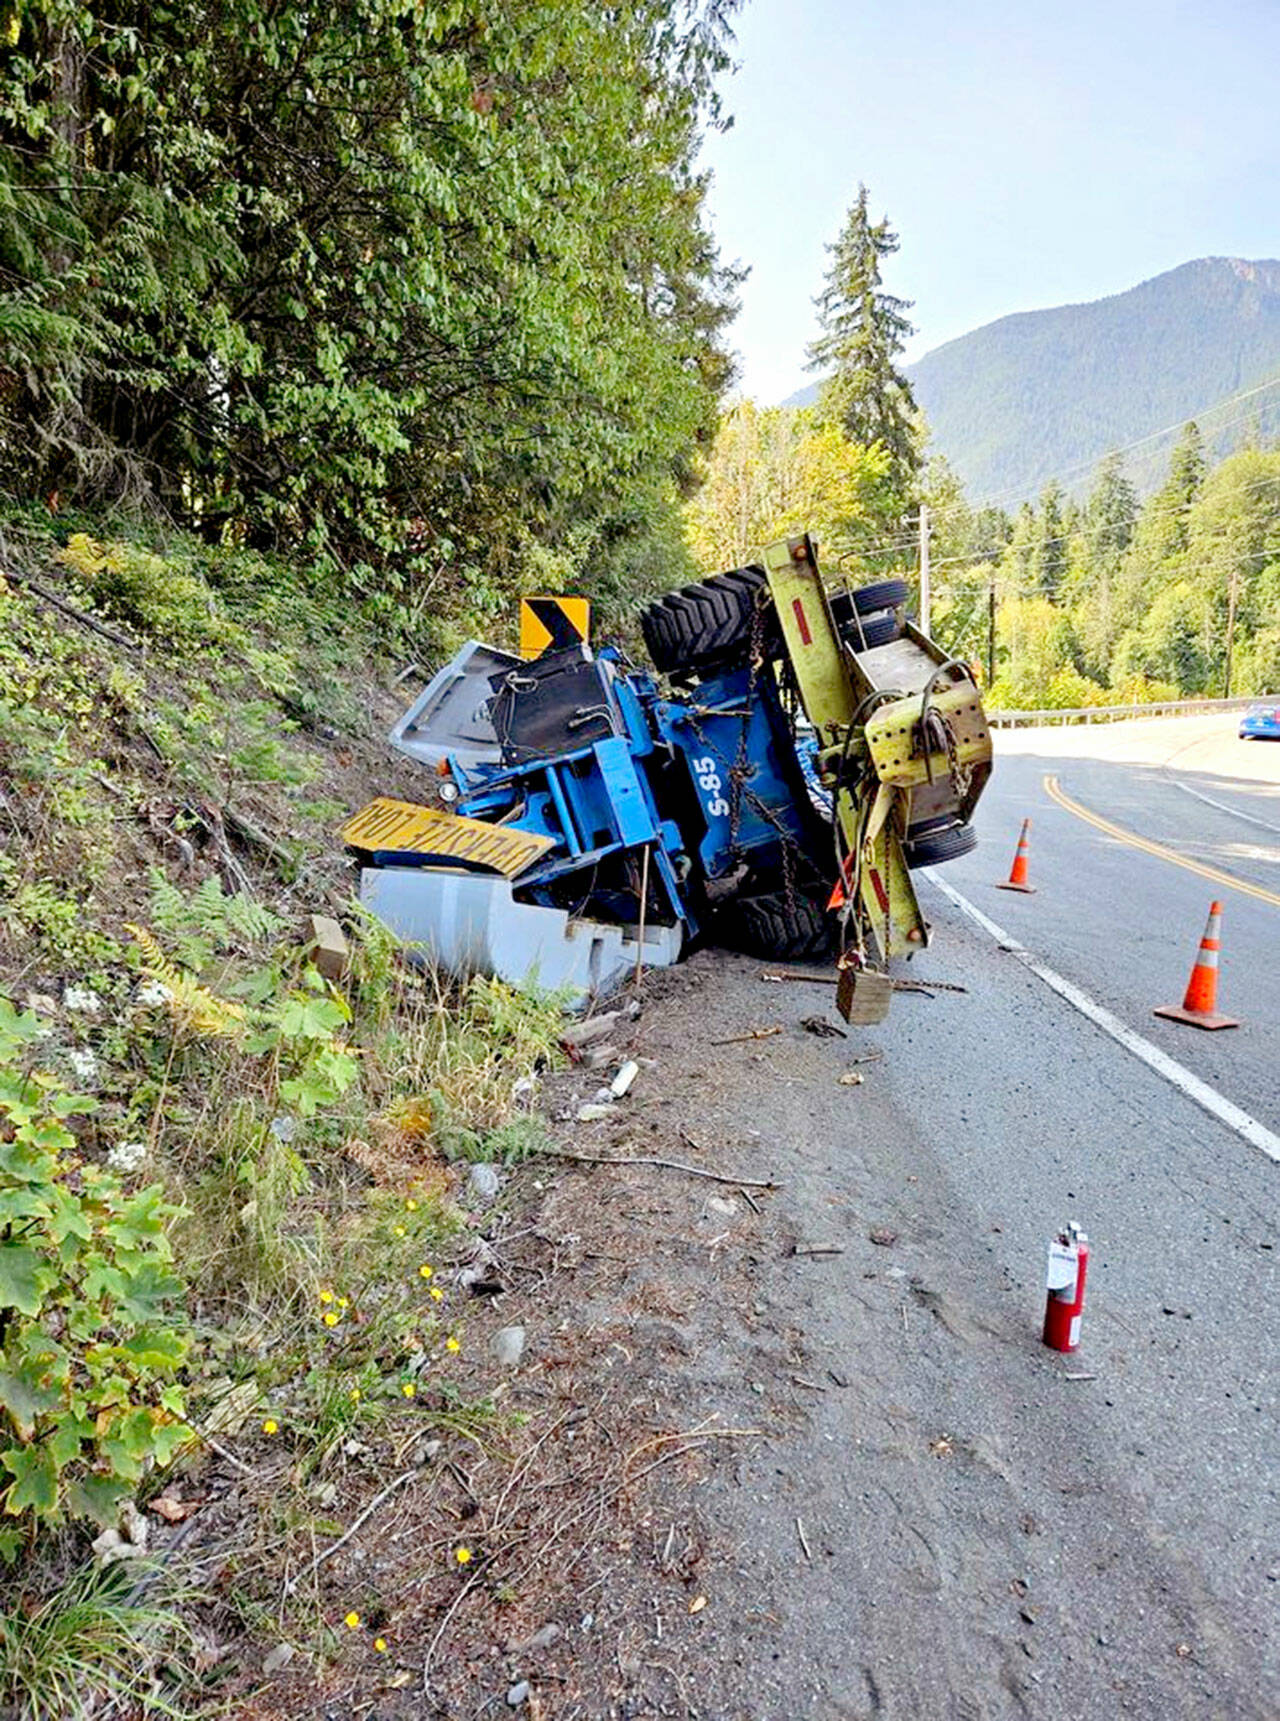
[
  {"x": 1177, "y": 1075},
  {"x": 1222, "y": 807}
]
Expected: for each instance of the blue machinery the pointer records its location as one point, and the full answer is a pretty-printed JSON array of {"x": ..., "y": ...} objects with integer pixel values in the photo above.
[{"x": 596, "y": 820}]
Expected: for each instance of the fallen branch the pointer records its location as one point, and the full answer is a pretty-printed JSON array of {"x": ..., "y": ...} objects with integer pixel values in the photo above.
[
  {"x": 741, "y": 1039},
  {"x": 804, "y": 1541},
  {"x": 664, "y": 1164},
  {"x": 255, "y": 836},
  {"x": 453, "y": 1607},
  {"x": 345, "y": 1537},
  {"x": 817, "y": 1248},
  {"x": 68, "y": 609},
  {"x": 227, "y": 1457}
]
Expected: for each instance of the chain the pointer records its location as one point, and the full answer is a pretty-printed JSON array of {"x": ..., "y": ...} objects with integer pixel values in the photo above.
[{"x": 961, "y": 775}]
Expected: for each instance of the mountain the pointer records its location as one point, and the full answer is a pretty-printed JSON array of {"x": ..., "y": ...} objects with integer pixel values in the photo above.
[{"x": 1045, "y": 394}]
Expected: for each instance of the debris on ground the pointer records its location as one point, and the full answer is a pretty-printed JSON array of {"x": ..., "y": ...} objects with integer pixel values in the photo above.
[
  {"x": 483, "y": 1182},
  {"x": 327, "y": 943},
  {"x": 589, "y": 1032},
  {"x": 508, "y": 1346},
  {"x": 621, "y": 1083},
  {"x": 751, "y": 1034},
  {"x": 822, "y": 1028}
]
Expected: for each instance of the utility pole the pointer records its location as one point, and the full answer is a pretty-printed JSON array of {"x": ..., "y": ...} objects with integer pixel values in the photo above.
[
  {"x": 1233, "y": 598},
  {"x": 991, "y": 633},
  {"x": 925, "y": 593}
]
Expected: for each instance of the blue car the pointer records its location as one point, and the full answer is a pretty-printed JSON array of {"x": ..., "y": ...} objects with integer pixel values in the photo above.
[{"x": 1261, "y": 722}]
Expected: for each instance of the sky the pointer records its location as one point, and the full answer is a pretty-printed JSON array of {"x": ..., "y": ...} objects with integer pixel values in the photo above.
[{"x": 1028, "y": 153}]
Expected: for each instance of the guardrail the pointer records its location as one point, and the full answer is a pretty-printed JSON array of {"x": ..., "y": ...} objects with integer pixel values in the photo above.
[{"x": 1116, "y": 713}]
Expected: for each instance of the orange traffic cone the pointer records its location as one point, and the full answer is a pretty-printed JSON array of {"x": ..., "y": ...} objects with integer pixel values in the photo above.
[
  {"x": 1017, "y": 879},
  {"x": 1199, "y": 1007}
]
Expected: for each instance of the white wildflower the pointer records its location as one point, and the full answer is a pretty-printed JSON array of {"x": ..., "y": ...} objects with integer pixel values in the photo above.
[
  {"x": 82, "y": 998},
  {"x": 127, "y": 1156},
  {"x": 151, "y": 994},
  {"x": 83, "y": 1066}
]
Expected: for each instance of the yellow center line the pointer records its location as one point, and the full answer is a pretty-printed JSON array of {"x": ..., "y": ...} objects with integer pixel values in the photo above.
[{"x": 1227, "y": 880}]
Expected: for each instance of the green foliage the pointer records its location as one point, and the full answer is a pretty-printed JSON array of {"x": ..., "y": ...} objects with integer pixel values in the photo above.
[
  {"x": 202, "y": 922},
  {"x": 135, "y": 585},
  {"x": 391, "y": 285},
  {"x": 1120, "y": 604},
  {"x": 90, "y": 1348},
  {"x": 864, "y": 329},
  {"x": 92, "y": 1640},
  {"x": 776, "y": 471}
]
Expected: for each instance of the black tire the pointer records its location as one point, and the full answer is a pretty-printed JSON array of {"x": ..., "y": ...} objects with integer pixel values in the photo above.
[
  {"x": 883, "y": 595},
  {"x": 798, "y": 930},
  {"x": 861, "y": 632},
  {"x": 932, "y": 847},
  {"x": 704, "y": 624},
  {"x": 876, "y": 630}
]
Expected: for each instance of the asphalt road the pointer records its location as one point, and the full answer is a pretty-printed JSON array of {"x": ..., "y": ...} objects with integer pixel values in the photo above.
[{"x": 990, "y": 1529}]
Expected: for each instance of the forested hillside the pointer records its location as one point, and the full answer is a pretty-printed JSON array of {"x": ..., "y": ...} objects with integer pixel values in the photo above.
[
  {"x": 1097, "y": 601},
  {"x": 1046, "y": 394},
  {"x": 323, "y": 334}
]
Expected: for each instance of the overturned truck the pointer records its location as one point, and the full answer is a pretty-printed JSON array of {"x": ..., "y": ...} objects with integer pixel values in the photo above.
[{"x": 799, "y": 753}]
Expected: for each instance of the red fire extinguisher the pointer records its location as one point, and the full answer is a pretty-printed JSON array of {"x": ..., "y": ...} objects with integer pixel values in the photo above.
[{"x": 1064, "y": 1302}]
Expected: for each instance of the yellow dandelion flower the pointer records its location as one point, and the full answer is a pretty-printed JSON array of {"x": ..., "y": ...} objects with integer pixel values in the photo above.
[
  {"x": 343, "y": 1303},
  {"x": 437, "y": 1293},
  {"x": 326, "y": 1296},
  {"x": 412, "y": 1205},
  {"x": 408, "y": 1389},
  {"x": 331, "y": 1320},
  {"x": 397, "y": 1230},
  {"x": 452, "y": 1344},
  {"x": 380, "y": 1644},
  {"x": 271, "y": 1426},
  {"x": 462, "y": 1555},
  {"x": 425, "y": 1272},
  {"x": 355, "y": 1395},
  {"x": 352, "y": 1620}
]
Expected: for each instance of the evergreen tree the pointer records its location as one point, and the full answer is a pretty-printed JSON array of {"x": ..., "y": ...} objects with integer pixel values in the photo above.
[
  {"x": 1108, "y": 525},
  {"x": 863, "y": 331},
  {"x": 1110, "y": 514},
  {"x": 1049, "y": 556},
  {"x": 1165, "y": 520}
]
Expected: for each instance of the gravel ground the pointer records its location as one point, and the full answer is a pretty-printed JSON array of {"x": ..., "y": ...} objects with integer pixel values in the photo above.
[
  {"x": 947, "y": 1519},
  {"x": 796, "y": 1453}
]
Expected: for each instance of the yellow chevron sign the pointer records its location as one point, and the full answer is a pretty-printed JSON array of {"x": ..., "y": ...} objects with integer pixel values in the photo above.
[
  {"x": 551, "y": 624},
  {"x": 403, "y": 828}
]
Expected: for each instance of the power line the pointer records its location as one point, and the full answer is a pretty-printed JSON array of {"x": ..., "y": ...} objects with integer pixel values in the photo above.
[
  {"x": 904, "y": 544},
  {"x": 1148, "y": 513}
]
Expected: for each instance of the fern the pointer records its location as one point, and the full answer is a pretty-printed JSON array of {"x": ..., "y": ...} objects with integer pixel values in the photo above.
[
  {"x": 254, "y": 921},
  {"x": 195, "y": 1006},
  {"x": 208, "y": 919}
]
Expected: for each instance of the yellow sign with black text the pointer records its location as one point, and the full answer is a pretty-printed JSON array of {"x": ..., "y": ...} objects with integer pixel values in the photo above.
[
  {"x": 552, "y": 624},
  {"x": 401, "y": 828}
]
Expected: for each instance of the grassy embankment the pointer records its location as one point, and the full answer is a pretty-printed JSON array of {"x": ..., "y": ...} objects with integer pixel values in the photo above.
[{"x": 228, "y": 1183}]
